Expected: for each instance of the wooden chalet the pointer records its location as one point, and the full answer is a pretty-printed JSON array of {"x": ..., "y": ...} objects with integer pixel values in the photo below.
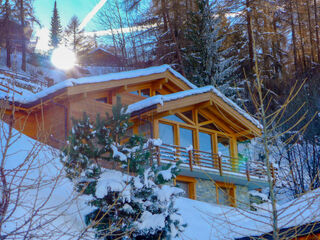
[
  {"x": 100, "y": 57},
  {"x": 200, "y": 126}
]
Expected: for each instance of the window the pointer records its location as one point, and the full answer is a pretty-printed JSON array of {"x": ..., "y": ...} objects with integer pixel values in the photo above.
[
  {"x": 186, "y": 137},
  {"x": 224, "y": 146},
  {"x": 205, "y": 142},
  {"x": 174, "y": 118},
  {"x": 225, "y": 194},
  {"x": 188, "y": 184},
  {"x": 103, "y": 99},
  {"x": 143, "y": 92},
  {"x": 166, "y": 133}
]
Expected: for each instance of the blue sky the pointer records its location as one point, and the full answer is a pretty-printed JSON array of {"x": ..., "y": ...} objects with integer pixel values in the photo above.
[{"x": 66, "y": 8}]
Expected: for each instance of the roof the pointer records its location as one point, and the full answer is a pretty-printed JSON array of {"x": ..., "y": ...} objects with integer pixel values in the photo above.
[
  {"x": 161, "y": 99},
  {"x": 28, "y": 98},
  {"x": 101, "y": 49}
]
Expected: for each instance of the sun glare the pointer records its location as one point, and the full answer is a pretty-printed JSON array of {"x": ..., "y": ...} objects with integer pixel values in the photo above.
[{"x": 63, "y": 58}]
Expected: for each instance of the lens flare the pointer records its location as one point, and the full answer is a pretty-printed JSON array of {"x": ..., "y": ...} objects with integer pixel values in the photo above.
[{"x": 63, "y": 58}]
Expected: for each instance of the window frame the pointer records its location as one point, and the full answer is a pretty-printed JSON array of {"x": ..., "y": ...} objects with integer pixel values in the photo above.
[
  {"x": 231, "y": 192},
  {"x": 191, "y": 181}
]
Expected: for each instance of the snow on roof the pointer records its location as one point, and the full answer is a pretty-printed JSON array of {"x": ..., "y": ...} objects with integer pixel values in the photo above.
[
  {"x": 102, "y": 49},
  {"x": 160, "y": 99},
  {"x": 30, "y": 98}
]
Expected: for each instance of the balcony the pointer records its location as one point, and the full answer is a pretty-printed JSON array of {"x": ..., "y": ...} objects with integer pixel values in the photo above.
[{"x": 211, "y": 162}]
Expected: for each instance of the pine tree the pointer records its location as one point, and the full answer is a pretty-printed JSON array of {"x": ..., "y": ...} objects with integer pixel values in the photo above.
[
  {"x": 133, "y": 201},
  {"x": 206, "y": 60},
  {"x": 24, "y": 11},
  {"x": 6, "y": 12},
  {"x": 56, "y": 28}
]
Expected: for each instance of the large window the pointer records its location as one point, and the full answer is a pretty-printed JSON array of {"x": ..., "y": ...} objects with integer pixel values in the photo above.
[
  {"x": 181, "y": 129},
  {"x": 186, "y": 137},
  {"x": 166, "y": 133},
  {"x": 205, "y": 142}
]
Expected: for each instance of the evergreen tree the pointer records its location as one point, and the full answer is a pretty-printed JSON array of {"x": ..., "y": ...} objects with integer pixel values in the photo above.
[
  {"x": 56, "y": 28},
  {"x": 25, "y": 13},
  {"x": 132, "y": 202},
  {"x": 207, "y": 61},
  {"x": 6, "y": 13}
]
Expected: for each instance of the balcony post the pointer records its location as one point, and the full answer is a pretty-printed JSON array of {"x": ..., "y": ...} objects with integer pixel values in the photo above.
[
  {"x": 190, "y": 159},
  {"x": 220, "y": 165},
  {"x": 247, "y": 171}
]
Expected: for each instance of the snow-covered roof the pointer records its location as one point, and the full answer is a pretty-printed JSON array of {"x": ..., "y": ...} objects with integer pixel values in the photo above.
[
  {"x": 101, "y": 49},
  {"x": 161, "y": 99},
  {"x": 29, "y": 98}
]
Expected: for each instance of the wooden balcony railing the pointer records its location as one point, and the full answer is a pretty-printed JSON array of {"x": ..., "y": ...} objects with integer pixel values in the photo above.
[{"x": 211, "y": 161}]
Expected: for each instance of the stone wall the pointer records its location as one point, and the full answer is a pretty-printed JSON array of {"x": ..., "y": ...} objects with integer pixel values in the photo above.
[
  {"x": 206, "y": 192},
  {"x": 242, "y": 196}
]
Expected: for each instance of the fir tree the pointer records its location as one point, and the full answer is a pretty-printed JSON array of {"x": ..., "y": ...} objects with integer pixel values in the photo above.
[
  {"x": 206, "y": 60},
  {"x": 132, "y": 202},
  {"x": 56, "y": 28}
]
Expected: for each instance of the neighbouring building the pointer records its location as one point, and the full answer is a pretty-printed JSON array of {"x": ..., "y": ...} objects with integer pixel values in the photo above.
[
  {"x": 199, "y": 126},
  {"x": 100, "y": 57}
]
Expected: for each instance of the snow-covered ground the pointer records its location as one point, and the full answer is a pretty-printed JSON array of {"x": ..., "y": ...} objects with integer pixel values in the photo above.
[{"x": 60, "y": 212}]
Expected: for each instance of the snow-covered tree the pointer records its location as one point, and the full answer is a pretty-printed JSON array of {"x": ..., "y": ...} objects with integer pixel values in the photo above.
[
  {"x": 134, "y": 200},
  {"x": 206, "y": 60},
  {"x": 56, "y": 28}
]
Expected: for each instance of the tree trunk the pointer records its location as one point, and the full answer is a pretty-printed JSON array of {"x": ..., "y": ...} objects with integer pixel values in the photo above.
[
  {"x": 7, "y": 31},
  {"x": 317, "y": 28},
  {"x": 250, "y": 37},
  {"x": 293, "y": 38},
  {"x": 304, "y": 64},
  {"x": 23, "y": 38},
  {"x": 310, "y": 31}
]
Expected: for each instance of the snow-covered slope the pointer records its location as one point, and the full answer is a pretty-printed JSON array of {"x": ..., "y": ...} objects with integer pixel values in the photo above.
[{"x": 63, "y": 211}]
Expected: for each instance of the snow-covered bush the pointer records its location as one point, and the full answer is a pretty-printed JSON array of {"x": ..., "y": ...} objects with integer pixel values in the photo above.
[{"x": 131, "y": 194}]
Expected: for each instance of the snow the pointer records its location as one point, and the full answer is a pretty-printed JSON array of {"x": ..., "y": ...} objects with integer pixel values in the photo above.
[
  {"x": 165, "y": 192},
  {"x": 166, "y": 174},
  {"x": 117, "y": 154},
  {"x": 65, "y": 209},
  {"x": 102, "y": 49},
  {"x": 45, "y": 192},
  {"x": 151, "y": 221},
  {"x": 112, "y": 180}
]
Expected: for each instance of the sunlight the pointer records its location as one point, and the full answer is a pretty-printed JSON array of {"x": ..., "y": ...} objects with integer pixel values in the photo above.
[
  {"x": 43, "y": 40},
  {"x": 63, "y": 58}
]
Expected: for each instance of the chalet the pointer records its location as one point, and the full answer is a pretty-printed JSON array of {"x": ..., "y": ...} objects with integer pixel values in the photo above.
[
  {"x": 200, "y": 126},
  {"x": 100, "y": 57}
]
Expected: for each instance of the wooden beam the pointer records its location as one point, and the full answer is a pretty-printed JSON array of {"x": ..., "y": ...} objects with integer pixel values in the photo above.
[
  {"x": 180, "y": 103},
  {"x": 188, "y": 120},
  {"x": 217, "y": 121},
  {"x": 178, "y": 82},
  {"x": 89, "y": 87},
  {"x": 236, "y": 115}
]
